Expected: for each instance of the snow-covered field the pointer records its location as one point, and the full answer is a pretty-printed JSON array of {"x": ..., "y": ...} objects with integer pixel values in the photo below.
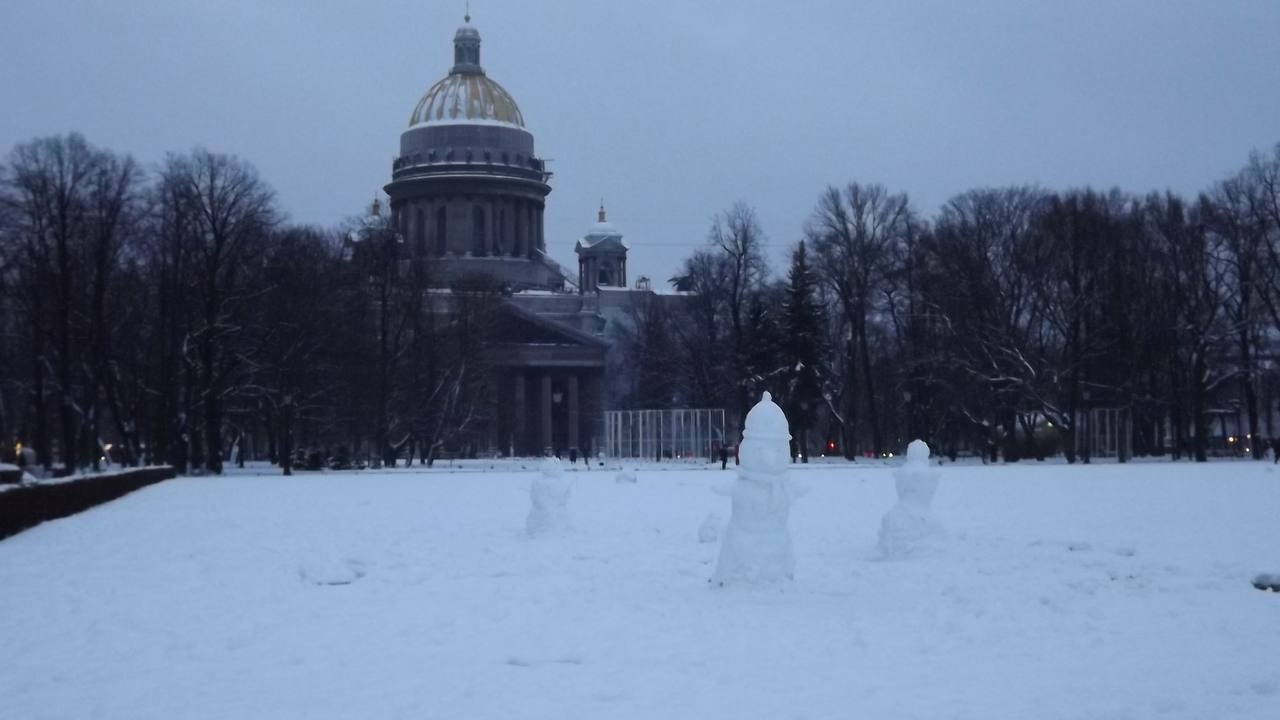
[{"x": 1059, "y": 592}]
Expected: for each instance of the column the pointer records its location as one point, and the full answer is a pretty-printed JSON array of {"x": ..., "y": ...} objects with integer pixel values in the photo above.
[
  {"x": 491, "y": 226},
  {"x": 537, "y": 224},
  {"x": 531, "y": 233},
  {"x": 519, "y": 435},
  {"x": 491, "y": 399},
  {"x": 546, "y": 412},
  {"x": 573, "y": 411}
]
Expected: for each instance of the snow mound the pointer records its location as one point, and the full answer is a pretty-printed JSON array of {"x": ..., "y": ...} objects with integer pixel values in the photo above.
[
  {"x": 625, "y": 477},
  {"x": 709, "y": 530}
]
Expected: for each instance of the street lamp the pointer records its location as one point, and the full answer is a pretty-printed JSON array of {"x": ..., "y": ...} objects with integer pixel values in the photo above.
[
  {"x": 1088, "y": 439},
  {"x": 906, "y": 401}
]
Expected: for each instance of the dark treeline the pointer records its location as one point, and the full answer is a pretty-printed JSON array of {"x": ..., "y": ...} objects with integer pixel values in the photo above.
[
  {"x": 174, "y": 316},
  {"x": 1003, "y": 324}
]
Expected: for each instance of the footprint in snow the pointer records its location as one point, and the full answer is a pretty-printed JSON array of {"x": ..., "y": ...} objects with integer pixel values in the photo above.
[{"x": 331, "y": 572}]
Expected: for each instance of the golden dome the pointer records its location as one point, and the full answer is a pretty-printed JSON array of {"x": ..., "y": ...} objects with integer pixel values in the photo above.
[{"x": 467, "y": 99}]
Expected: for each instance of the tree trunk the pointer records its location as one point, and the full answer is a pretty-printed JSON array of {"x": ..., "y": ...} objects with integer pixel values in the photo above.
[
  {"x": 286, "y": 436},
  {"x": 848, "y": 428},
  {"x": 212, "y": 407},
  {"x": 1249, "y": 392},
  {"x": 43, "y": 451},
  {"x": 873, "y": 410},
  {"x": 1198, "y": 406}
]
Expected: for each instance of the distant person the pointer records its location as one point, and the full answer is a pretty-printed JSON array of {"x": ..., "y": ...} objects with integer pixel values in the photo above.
[
  {"x": 724, "y": 457},
  {"x": 573, "y": 456},
  {"x": 1275, "y": 449}
]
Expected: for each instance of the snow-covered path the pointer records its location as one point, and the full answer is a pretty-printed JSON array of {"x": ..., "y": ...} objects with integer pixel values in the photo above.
[{"x": 1103, "y": 592}]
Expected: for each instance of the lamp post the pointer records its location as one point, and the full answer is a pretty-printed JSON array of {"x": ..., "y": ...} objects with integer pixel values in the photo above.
[
  {"x": 1086, "y": 427},
  {"x": 910, "y": 424}
]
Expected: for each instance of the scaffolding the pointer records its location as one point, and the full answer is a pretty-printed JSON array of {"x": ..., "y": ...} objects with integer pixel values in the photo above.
[{"x": 665, "y": 434}]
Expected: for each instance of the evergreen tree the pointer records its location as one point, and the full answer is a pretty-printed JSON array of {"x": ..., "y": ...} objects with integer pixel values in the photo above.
[{"x": 804, "y": 322}]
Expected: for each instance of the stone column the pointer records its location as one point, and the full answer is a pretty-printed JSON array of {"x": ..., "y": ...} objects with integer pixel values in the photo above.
[
  {"x": 599, "y": 405},
  {"x": 542, "y": 241},
  {"x": 491, "y": 399},
  {"x": 519, "y": 436},
  {"x": 573, "y": 411},
  {"x": 491, "y": 226},
  {"x": 533, "y": 231},
  {"x": 546, "y": 412}
]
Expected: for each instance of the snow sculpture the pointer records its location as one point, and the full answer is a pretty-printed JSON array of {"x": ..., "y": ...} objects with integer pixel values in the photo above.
[
  {"x": 910, "y": 523},
  {"x": 549, "y": 499},
  {"x": 757, "y": 542},
  {"x": 709, "y": 530}
]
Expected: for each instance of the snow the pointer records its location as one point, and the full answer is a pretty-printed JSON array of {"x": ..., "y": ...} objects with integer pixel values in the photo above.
[
  {"x": 549, "y": 499},
  {"x": 709, "y": 530},
  {"x": 757, "y": 542},
  {"x": 910, "y": 527},
  {"x": 1109, "y": 591}
]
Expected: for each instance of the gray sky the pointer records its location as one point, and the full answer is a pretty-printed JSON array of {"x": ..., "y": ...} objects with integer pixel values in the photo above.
[{"x": 670, "y": 110}]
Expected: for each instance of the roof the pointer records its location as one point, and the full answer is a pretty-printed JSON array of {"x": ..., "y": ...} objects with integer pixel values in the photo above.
[{"x": 467, "y": 98}]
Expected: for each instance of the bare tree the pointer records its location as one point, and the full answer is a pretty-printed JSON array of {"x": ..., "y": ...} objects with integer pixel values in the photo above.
[
  {"x": 1228, "y": 212},
  {"x": 227, "y": 214},
  {"x": 737, "y": 241},
  {"x": 854, "y": 233},
  {"x": 49, "y": 186}
]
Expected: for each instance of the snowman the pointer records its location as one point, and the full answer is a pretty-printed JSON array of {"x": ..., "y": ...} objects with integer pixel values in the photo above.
[
  {"x": 548, "y": 499},
  {"x": 756, "y": 546},
  {"x": 910, "y": 523}
]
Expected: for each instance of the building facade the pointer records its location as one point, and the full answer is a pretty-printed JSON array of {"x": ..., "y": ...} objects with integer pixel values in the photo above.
[{"x": 468, "y": 192}]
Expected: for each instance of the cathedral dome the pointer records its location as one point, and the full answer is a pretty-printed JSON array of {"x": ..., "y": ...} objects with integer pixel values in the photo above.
[
  {"x": 601, "y": 231},
  {"x": 467, "y": 96}
]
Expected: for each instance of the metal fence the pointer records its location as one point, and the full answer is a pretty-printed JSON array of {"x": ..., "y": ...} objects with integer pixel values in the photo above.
[
  {"x": 664, "y": 434},
  {"x": 1105, "y": 433}
]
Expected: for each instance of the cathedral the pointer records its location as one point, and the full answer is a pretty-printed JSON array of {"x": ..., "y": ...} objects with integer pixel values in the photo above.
[{"x": 468, "y": 191}]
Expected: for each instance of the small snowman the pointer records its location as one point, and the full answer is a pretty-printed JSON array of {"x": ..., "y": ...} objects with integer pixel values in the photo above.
[
  {"x": 756, "y": 546},
  {"x": 910, "y": 523},
  {"x": 548, "y": 498}
]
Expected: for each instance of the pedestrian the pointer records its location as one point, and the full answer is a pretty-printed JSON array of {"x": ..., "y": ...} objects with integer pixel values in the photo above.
[
  {"x": 573, "y": 456},
  {"x": 724, "y": 457},
  {"x": 1275, "y": 449}
]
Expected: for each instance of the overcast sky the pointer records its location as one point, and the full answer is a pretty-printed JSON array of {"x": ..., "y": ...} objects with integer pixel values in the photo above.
[{"x": 669, "y": 110}]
